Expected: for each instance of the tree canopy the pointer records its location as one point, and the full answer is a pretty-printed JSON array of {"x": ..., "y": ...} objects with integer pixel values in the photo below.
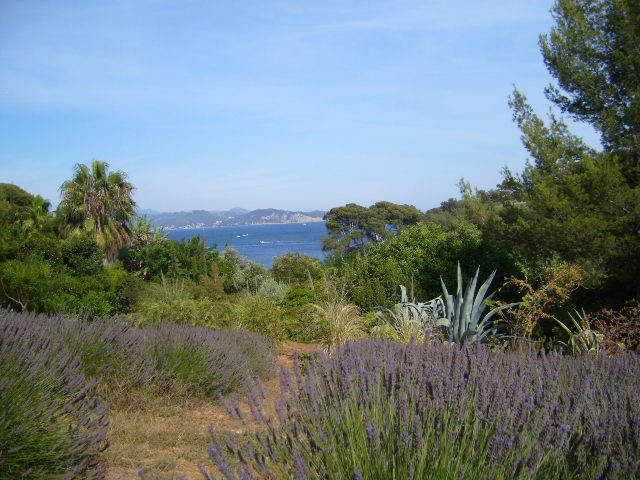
[
  {"x": 99, "y": 202},
  {"x": 593, "y": 51},
  {"x": 357, "y": 228},
  {"x": 573, "y": 201}
]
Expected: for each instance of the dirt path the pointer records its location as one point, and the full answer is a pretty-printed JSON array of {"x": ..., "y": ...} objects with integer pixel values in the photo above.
[{"x": 168, "y": 442}]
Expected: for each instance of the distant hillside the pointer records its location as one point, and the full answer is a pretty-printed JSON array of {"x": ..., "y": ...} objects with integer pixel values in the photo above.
[{"x": 235, "y": 217}]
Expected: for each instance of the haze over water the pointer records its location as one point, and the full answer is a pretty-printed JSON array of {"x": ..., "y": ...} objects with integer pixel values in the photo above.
[{"x": 261, "y": 243}]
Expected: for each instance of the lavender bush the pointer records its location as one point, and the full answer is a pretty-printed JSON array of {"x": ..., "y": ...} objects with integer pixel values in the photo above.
[
  {"x": 166, "y": 359},
  {"x": 381, "y": 410},
  {"x": 52, "y": 424},
  {"x": 106, "y": 347},
  {"x": 204, "y": 362}
]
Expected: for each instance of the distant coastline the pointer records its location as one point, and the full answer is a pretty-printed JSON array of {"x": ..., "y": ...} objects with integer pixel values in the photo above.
[
  {"x": 234, "y": 217},
  {"x": 200, "y": 226}
]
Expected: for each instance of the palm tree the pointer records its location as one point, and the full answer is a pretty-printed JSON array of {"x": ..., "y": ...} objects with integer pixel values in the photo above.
[
  {"x": 99, "y": 202},
  {"x": 35, "y": 216}
]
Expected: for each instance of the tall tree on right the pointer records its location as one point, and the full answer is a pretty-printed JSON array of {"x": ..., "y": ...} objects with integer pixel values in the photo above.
[
  {"x": 574, "y": 202},
  {"x": 594, "y": 53}
]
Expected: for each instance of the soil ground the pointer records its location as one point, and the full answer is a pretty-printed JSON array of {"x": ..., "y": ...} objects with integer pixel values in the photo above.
[{"x": 169, "y": 441}]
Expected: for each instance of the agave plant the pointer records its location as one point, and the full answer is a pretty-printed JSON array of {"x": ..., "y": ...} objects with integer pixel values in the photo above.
[
  {"x": 407, "y": 320},
  {"x": 462, "y": 319},
  {"x": 420, "y": 313},
  {"x": 583, "y": 340}
]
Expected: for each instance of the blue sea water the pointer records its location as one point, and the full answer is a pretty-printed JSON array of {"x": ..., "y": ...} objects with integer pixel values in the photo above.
[{"x": 261, "y": 243}]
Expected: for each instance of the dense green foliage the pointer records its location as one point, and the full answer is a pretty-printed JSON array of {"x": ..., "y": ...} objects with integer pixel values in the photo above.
[
  {"x": 296, "y": 268},
  {"x": 593, "y": 51},
  {"x": 99, "y": 203},
  {"x": 573, "y": 203},
  {"x": 417, "y": 257},
  {"x": 356, "y": 228},
  {"x": 160, "y": 256},
  {"x": 580, "y": 203}
]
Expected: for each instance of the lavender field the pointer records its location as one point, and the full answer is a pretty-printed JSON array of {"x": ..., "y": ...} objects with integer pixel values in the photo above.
[
  {"x": 60, "y": 375},
  {"x": 382, "y": 410},
  {"x": 374, "y": 409}
]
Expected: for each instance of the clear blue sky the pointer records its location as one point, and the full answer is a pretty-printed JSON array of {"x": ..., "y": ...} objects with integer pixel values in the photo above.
[{"x": 288, "y": 104}]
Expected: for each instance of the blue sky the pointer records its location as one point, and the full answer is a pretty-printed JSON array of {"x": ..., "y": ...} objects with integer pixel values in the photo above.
[{"x": 275, "y": 103}]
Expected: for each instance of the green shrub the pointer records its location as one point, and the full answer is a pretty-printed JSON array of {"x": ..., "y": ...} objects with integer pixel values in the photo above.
[
  {"x": 241, "y": 274},
  {"x": 25, "y": 283},
  {"x": 296, "y": 268},
  {"x": 161, "y": 256},
  {"x": 298, "y": 296},
  {"x": 259, "y": 314},
  {"x": 417, "y": 257},
  {"x": 272, "y": 289},
  {"x": 81, "y": 255},
  {"x": 303, "y": 324},
  {"x": 172, "y": 301}
]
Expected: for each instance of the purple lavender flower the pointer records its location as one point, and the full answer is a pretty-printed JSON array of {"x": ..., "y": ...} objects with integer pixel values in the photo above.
[
  {"x": 356, "y": 473},
  {"x": 416, "y": 402}
]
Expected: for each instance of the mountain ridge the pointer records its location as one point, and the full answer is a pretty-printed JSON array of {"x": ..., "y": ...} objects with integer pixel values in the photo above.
[{"x": 232, "y": 217}]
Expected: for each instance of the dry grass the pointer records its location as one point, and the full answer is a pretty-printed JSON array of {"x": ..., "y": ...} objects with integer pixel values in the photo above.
[
  {"x": 167, "y": 438},
  {"x": 164, "y": 443}
]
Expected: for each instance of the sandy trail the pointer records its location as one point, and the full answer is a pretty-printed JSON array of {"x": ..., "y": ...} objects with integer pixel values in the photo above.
[{"x": 168, "y": 445}]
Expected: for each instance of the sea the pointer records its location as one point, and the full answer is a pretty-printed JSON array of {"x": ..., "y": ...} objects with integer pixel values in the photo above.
[{"x": 261, "y": 243}]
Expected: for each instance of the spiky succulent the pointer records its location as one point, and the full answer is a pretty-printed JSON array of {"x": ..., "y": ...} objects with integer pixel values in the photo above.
[
  {"x": 463, "y": 319},
  {"x": 407, "y": 319},
  {"x": 583, "y": 339}
]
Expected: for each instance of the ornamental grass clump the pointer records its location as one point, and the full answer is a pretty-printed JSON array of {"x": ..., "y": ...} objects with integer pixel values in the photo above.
[
  {"x": 52, "y": 423},
  {"x": 382, "y": 410}
]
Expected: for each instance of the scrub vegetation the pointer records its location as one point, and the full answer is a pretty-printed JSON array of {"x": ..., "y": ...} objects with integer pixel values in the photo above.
[{"x": 495, "y": 336}]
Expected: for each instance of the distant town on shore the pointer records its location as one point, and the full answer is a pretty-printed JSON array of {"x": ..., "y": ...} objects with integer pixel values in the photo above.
[{"x": 227, "y": 218}]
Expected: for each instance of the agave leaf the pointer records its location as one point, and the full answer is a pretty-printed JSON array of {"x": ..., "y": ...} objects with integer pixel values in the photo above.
[
  {"x": 414, "y": 311},
  {"x": 483, "y": 307},
  {"x": 575, "y": 322},
  {"x": 381, "y": 316},
  {"x": 566, "y": 329},
  {"x": 479, "y": 304},
  {"x": 463, "y": 313},
  {"x": 468, "y": 302},
  {"x": 482, "y": 291},
  {"x": 448, "y": 299},
  {"x": 459, "y": 321},
  {"x": 444, "y": 287},
  {"x": 490, "y": 315},
  {"x": 460, "y": 285}
]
